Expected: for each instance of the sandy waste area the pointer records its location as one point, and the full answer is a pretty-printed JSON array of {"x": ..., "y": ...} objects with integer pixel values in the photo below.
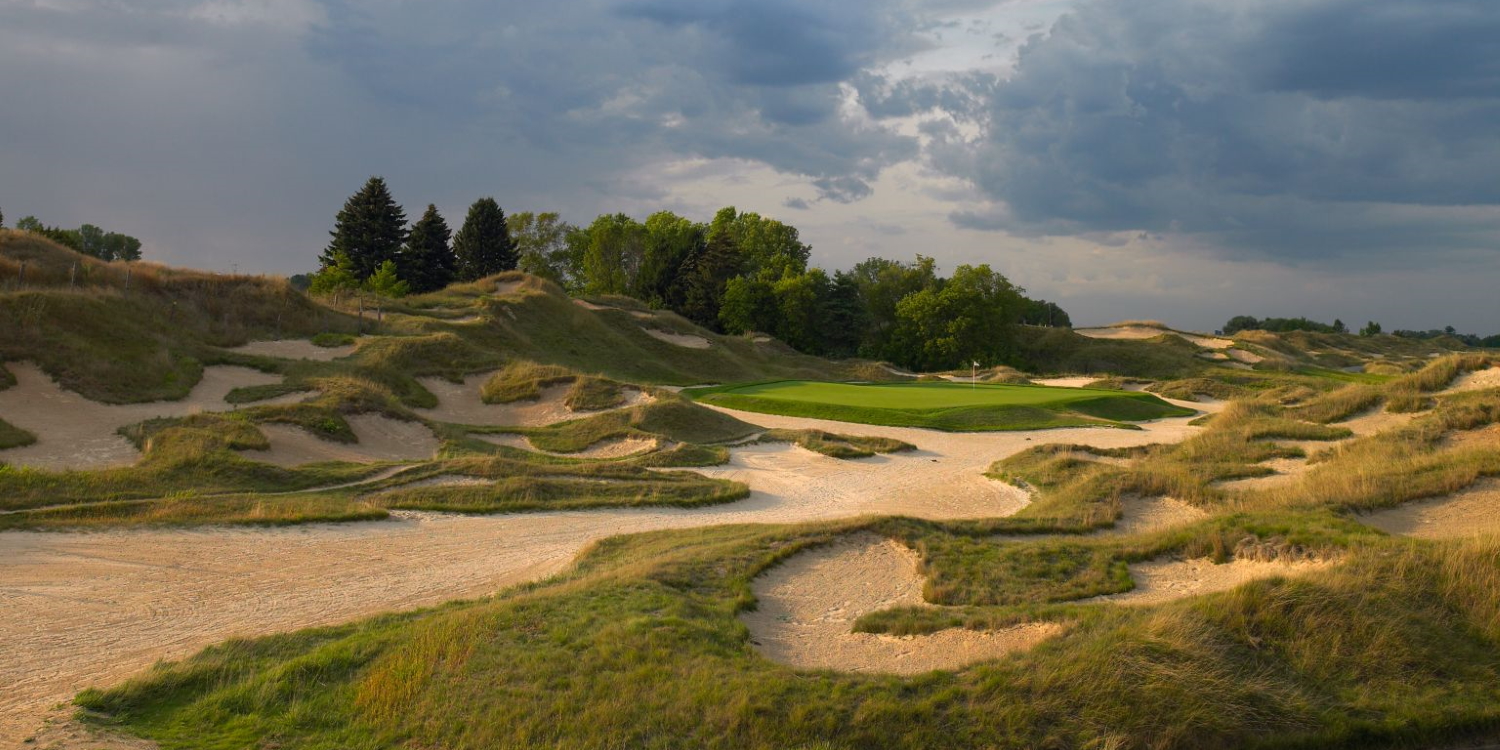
[{"x": 90, "y": 609}]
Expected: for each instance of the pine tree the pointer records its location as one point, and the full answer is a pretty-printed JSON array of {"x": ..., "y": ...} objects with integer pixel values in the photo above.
[
  {"x": 427, "y": 262},
  {"x": 369, "y": 230},
  {"x": 483, "y": 246},
  {"x": 386, "y": 283}
]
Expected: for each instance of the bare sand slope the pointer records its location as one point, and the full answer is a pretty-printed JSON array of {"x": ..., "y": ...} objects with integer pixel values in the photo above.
[
  {"x": 808, "y": 605},
  {"x": 460, "y": 403},
  {"x": 90, "y": 609},
  {"x": 1475, "y": 381},
  {"x": 380, "y": 439},
  {"x": 76, "y": 433},
  {"x": 294, "y": 349},
  {"x": 679, "y": 339},
  {"x": 1071, "y": 381},
  {"x": 1161, "y": 581},
  {"x": 1471, "y": 512},
  {"x": 1287, "y": 471},
  {"x": 611, "y": 448},
  {"x": 1138, "y": 515},
  {"x": 1148, "y": 332}
]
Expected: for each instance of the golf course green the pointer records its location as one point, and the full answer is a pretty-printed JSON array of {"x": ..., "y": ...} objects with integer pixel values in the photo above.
[{"x": 957, "y": 407}]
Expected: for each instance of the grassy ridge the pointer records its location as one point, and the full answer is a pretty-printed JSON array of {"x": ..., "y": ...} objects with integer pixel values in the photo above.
[{"x": 943, "y": 406}]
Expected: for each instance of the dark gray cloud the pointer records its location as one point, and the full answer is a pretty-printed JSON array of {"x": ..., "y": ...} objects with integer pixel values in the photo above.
[{"x": 1291, "y": 128}]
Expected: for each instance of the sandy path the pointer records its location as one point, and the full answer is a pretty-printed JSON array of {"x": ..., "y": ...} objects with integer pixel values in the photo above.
[
  {"x": 1161, "y": 581},
  {"x": 87, "y": 609},
  {"x": 294, "y": 349},
  {"x": 460, "y": 403},
  {"x": 808, "y": 605},
  {"x": 680, "y": 339},
  {"x": 76, "y": 433},
  {"x": 380, "y": 439},
  {"x": 1471, "y": 512}
]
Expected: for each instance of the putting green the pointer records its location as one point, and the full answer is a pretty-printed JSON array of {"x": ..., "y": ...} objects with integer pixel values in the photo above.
[{"x": 943, "y": 406}]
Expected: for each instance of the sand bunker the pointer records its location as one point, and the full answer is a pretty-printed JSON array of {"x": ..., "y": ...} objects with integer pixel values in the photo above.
[
  {"x": 380, "y": 439},
  {"x": 1475, "y": 381},
  {"x": 1471, "y": 512},
  {"x": 1287, "y": 471},
  {"x": 460, "y": 403},
  {"x": 680, "y": 339},
  {"x": 604, "y": 449},
  {"x": 1161, "y": 581},
  {"x": 1071, "y": 381},
  {"x": 585, "y": 304},
  {"x": 1375, "y": 421},
  {"x": 294, "y": 349},
  {"x": 507, "y": 287},
  {"x": 1247, "y": 357},
  {"x": 75, "y": 433},
  {"x": 808, "y": 605}
]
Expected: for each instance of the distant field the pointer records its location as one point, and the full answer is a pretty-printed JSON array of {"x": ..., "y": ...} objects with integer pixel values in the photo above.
[{"x": 942, "y": 406}]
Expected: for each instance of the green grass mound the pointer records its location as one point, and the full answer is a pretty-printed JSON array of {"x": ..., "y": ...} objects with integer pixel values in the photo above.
[{"x": 955, "y": 407}]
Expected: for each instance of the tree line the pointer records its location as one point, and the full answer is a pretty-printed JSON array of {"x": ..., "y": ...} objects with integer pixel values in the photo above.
[
  {"x": 1282, "y": 325},
  {"x": 737, "y": 273},
  {"x": 87, "y": 239}
]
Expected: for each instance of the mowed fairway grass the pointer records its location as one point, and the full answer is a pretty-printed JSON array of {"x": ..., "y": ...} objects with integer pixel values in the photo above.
[{"x": 956, "y": 407}]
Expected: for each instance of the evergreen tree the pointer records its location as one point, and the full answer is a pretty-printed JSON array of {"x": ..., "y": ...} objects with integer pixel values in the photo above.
[
  {"x": 369, "y": 230},
  {"x": 386, "y": 283},
  {"x": 483, "y": 246},
  {"x": 427, "y": 262}
]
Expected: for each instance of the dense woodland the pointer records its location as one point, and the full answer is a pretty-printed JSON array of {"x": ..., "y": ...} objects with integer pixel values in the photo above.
[{"x": 738, "y": 273}]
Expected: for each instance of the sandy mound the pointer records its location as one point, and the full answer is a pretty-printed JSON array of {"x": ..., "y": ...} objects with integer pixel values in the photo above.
[
  {"x": 76, "y": 433},
  {"x": 1475, "y": 381},
  {"x": 380, "y": 439},
  {"x": 507, "y": 287},
  {"x": 604, "y": 449},
  {"x": 1161, "y": 581},
  {"x": 680, "y": 339},
  {"x": 1471, "y": 512},
  {"x": 808, "y": 604},
  {"x": 294, "y": 349},
  {"x": 460, "y": 403}
]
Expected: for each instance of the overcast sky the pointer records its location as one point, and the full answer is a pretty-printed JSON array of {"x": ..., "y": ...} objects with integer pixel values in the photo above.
[{"x": 1185, "y": 160}]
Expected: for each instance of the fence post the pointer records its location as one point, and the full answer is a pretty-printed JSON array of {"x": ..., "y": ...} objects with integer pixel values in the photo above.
[
  {"x": 127, "y": 278},
  {"x": 73, "y": 275}
]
